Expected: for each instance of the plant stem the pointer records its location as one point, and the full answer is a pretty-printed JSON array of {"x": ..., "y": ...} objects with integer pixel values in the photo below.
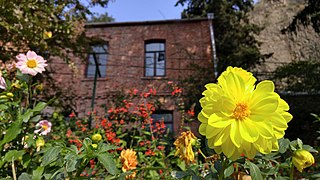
[
  {"x": 13, "y": 170},
  {"x": 291, "y": 171},
  {"x": 223, "y": 164}
]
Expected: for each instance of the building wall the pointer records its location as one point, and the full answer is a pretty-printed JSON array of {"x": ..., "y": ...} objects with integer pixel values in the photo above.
[{"x": 187, "y": 42}]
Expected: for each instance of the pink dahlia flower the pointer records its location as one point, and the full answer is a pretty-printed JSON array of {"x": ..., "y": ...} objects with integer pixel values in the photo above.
[{"x": 31, "y": 63}]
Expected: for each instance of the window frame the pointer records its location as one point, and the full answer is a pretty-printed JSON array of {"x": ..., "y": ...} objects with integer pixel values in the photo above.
[
  {"x": 155, "y": 59},
  {"x": 164, "y": 112},
  {"x": 103, "y": 74}
]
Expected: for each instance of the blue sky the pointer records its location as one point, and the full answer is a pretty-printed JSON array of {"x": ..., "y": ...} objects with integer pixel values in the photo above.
[{"x": 141, "y": 10}]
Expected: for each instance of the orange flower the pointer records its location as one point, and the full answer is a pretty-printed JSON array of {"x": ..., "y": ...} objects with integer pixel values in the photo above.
[{"x": 129, "y": 161}]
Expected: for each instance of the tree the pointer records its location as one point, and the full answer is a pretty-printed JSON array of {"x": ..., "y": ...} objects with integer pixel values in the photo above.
[
  {"x": 49, "y": 27},
  {"x": 234, "y": 34},
  {"x": 300, "y": 76},
  {"x": 101, "y": 18}
]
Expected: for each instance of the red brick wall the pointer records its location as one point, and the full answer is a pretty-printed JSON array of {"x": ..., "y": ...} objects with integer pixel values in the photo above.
[{"x": 187, "y": 42}]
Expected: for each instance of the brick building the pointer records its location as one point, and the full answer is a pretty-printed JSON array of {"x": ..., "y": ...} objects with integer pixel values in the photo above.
[{"x": 140, "y": 55}]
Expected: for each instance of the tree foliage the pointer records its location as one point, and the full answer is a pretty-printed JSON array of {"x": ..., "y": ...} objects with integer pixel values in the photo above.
[
  {"x": 301, "y": 76},
  {"x": 101, "y": 18},
  {"x": 28, "y": 25},
  {"x": 234, "y": 34},
  {"x": 309, "y": 15}
]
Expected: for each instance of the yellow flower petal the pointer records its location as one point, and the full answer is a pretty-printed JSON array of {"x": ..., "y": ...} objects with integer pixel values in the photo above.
[
  {"x": 248, "y": 131},
  {"x": 235, "y": 134}
]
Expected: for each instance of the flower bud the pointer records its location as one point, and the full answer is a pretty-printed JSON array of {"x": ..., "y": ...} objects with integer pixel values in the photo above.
[
  {"x": 302, "y": 159},
  {"x": 94, "y": 146},
  {"x": 40, "y": 142},
  {"x": 96, "y": 137},
  {"x": 9, "y": 94}
]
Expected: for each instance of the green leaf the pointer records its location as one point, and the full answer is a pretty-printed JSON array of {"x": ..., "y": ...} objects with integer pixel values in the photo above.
[
  {"x": 24, "y": 176},
  {"x": 12, "y": 132},
  {"x": 316, "y": 175},
  {"x": 108, "y": 162},
  {"x": 182, "y": 165},
  {"x": 13, "y": 155},
  {"x": 72, "y": 162},
  {"x": 254, "y": 171},
  {"x": 1, "y": 163},
  {"x": 50, "y": 155},
  {"x": 309, "y": 148},
  {"x": 3, "y": 107},
  {"x": 107, "y": 147},
  {"x": 39, "y": 107},
  {"x": 179, "y": 174},
  {"x": 228, "y": 171},
  {"x": 26, "y": 116},
  {"x": 37, "y": 174},
  {"x": 300, "y": 143},
  {"x": 283, "y": 145},
  {"x": 36, "y": 118}
]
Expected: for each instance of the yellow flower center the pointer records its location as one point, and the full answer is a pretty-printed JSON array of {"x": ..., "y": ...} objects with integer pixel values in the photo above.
[
  {"x": 241, "y": 111},
  {"x": 45, "y": 127},
  {"x": 31, "y": 63}
]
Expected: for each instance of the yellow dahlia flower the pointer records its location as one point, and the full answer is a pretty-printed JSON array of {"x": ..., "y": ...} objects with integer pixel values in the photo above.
[
  {"x": 302, "y": 159},
  {"x": 184, "y": 146},
  {"x": 129, "y": 161},
  {"x": 239, "y": 117}
]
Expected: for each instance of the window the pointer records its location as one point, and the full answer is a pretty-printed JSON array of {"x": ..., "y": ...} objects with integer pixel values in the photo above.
[
  {"x": 100, "y": 52},
  {"x": 155, "y": 58},
  {"x": 166, "y": 116}
]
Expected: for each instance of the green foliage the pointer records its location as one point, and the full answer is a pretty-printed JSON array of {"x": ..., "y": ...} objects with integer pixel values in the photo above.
[
  {"x": 101, "y": 18},
  {"x": 25, "y": 25},
  {"x": 300, "y": 76}
]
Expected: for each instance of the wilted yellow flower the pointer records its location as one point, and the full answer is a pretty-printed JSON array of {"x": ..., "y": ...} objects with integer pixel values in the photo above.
[
  {"x": 184, "y": 146},
  {"x": 239, "y": 117},
  {"x": 129, "y": 161},
  {"x": 302, "y": 159}
]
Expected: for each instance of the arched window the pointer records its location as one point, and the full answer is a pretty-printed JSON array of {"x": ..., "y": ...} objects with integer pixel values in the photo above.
[{"x": 155, "y": 58}]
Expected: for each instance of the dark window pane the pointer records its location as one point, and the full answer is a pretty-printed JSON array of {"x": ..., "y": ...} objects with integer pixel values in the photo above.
[
  {"x": 101, "y": 57},
  {"x": 160, "y": 64}
]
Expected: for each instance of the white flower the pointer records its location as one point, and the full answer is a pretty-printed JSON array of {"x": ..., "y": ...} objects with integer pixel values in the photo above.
[
  {"x": 3, "y": 84},
  {"x": 31, "y": 63},
  {"x": 45, "y": 127}
]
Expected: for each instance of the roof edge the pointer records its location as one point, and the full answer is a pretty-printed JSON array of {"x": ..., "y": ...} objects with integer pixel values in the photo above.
[{"x": 134, "y": 23}]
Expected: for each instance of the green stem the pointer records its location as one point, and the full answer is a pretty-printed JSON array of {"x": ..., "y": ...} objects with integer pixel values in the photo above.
[
  {"x": 14, "y": 170},
  {"x": 291, "y": 171},
  {"x": 223, "y": 164}
]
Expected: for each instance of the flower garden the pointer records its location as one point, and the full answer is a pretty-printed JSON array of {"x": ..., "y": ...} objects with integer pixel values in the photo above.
[{"x": 242, "y": 124}]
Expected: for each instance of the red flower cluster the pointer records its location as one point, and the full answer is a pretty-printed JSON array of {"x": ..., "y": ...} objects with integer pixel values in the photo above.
[{"x": 81, "y": 126}]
